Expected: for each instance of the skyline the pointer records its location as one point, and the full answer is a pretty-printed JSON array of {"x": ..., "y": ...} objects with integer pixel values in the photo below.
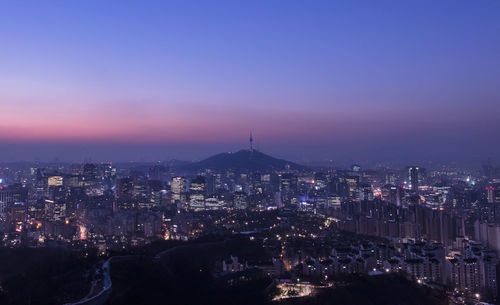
[{"x": 343, "y": 81}]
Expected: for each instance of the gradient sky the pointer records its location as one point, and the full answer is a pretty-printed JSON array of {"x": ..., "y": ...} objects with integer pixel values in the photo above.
[{"x": 313, "y": 80}]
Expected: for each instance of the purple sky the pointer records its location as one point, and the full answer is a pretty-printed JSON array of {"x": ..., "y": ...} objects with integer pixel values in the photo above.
[{"x": 313, "y": 80}]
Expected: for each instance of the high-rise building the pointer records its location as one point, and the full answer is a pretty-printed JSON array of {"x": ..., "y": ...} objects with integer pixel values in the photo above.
[
  {"x": 288, "y": 186},
  {"x": 415, "y": 177},
  {"x": 493, "y": 193},
  {"x": 178, "y": 190},
  {"x": 197, "y": 191},
  {"x": 257, "y": 183},
  {"x": 320, "y": 181},
  {"x": 240, "y": 200},
  {"x": 13, "y": 193},
  {"x": 89, "y": 174},
  {"x": 125, "y": 187},
  {"x": 154, "y": 191},
  {"x": 210, "y": 186},
  {"x": 365, "y": 192}
]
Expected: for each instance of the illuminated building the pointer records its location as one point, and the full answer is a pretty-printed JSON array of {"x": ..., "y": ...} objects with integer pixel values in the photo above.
[
  {"x": 55, "y": 181},
  {"x": 154, "y": 192},
  {"x": 415, "y": 177},
  {"x": 493, "y": 193},
  {"x": 365, "y": 192},
  {"x": 197, "y": 193},
  {"x": 178, "y": 189},
  {"x": 89, "y": 174},
  {"x": 125, "y": 187},
  {"x": 240, "y": 201},
  {"x": 288, "y": 187}
]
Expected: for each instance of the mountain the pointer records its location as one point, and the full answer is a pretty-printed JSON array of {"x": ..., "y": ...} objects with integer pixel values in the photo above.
[{"x": 244, "y": 160}]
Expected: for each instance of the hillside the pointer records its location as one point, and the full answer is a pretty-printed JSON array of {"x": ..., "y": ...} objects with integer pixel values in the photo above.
[{"x": 244, "y": 160}]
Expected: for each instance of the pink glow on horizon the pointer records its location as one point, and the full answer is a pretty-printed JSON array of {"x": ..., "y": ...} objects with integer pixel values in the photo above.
[{"x": 29, "y": 119}]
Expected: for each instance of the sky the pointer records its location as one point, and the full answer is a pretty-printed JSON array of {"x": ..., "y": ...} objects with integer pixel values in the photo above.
[{"x": 312, "y": 80}]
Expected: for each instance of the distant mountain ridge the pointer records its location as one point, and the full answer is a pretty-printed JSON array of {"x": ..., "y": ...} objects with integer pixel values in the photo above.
[{"x": 246, "y": 159}]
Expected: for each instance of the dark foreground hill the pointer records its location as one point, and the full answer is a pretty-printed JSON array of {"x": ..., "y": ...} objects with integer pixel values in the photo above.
[
  {"x": 183, "y": 274},
  {"x": 244, "y": 160}
]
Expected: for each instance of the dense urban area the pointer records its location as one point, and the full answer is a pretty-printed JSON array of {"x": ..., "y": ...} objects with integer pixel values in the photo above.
[
  {"x": 247, "y": 228},
  {"x": 259, "y": 152}
]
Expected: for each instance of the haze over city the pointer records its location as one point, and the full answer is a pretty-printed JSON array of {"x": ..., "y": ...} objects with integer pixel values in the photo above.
[{"x": 314, "y": 81}]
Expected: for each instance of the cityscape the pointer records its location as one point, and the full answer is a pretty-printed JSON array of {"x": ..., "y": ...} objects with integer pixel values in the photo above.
[
  {"x": 250, "y": 152},
  {"x": 301, "y": 229}
]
